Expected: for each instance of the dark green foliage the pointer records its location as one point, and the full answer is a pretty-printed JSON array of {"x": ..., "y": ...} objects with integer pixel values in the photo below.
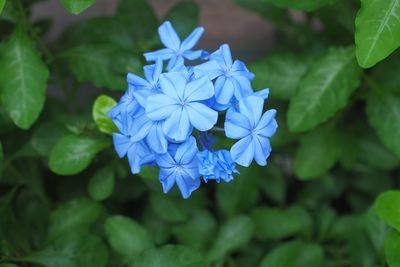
[{"x": 327, "y": 197}]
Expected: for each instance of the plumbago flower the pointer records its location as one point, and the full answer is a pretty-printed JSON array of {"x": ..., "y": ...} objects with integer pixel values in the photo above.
[{"x": 170, "y": 117}]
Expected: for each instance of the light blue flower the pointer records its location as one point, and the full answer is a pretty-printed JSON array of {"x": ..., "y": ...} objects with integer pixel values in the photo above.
[
  {"x": 175, "y": 49},
  {"x": 252, "y": 129},
  {"x": 180, "y": 166},
  {"x": 180, "y": 106},
  {"x": 125, "y": 144},
  {"x": 216, "y": 165},
  {"x": 233, "y": 78},
  {"x": 143, "y": 88}
]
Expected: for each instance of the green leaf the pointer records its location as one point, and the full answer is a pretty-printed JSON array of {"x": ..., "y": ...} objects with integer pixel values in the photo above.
[
  {"x": 198, "y": 231},
  {"x": 104, "y": 65},
  {"x": 376, "y": 229},
  {"x": 127, "y": 237},
  {"x": 385, "y": 73},
  {"x": 387, "y": 207},
  {"x": 319, "y": 150},
  {"x": 324, "y": 90},
  {"x": 46, "y": 136},
  {"x": 77, "y": 6},
  {"x": 170, "y": 256},
  {"x": 101, "y": 184},
  {"x": 101, "y": 107},
  {"x": 307, "y": 5},
  {"x": 7, "y": 264},
  {"x": 273, "y": 183},
  {"x": 377, "y": 31},
  {"x": 74, "y": 216},
  {"x": 273, "y": 73},
  {"x": 234, "y": 234},
  {"x": 276, "y": 224},
  {"x": 383, "y": 112},
  {"x": 22, "y": 90},
  {"x": 294, "y": 254},
  {"x": 73, "y": 153},
  {"x": 2, "y": 3},
  {"x": 184, "y": 16},
  {"x": 392, "y": 248},
  {"x": 167, "y": 209}
]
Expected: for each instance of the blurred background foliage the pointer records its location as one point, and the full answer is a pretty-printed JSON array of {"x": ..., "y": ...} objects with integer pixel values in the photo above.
[{"x": 327, "y": 197}]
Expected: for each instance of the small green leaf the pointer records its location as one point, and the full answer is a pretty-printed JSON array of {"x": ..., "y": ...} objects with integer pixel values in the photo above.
[
  {"x": 294, "y": 254},
  {"x": 377, "y": 31},
  {"x": 101, "y": 107},
  {"x": 376, "y": 229},
  {"x": 74, "y": 216},
  {"x": 383, "y": 112},
  {"x": 77, "y": 6},
  {"x": 104, "y": 65},
  {"x": 307, "y": 5},
  {"x": 73, "y": 153},
  {"x": 392, "y": 248},
  {"x": 234, "y": 234},
  {"x": 184, "y": 16},
  {"x": 324, "y": 90},
  {"x": 46, "y": 136},
  {"x": 273, "y": 73},
  {"x": 2, "y": 4},
  {"x": 276, "y": 224},
  {"x": 23, "y": 86},
  {"x": 198, "y": 231},
  {"x": 170, "y": 256},
  {"x": 127, "y": 237},
  {"x": 319, "y": 150},
  {"x": 167, "y": 209},
  {"x": 387, "y": 207},
  {"x": 101, "y": 184}
]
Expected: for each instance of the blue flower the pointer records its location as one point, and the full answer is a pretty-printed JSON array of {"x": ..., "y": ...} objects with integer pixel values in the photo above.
[
  {"x": 141, "y": 88},
  {"x": 216, "y": 165},
  {"x": 175, "y": 49},
  {"x": 125, "y": 144},
  {"x": 252, "y": 129},
  {"x": 233, "y": 78},
  {"x": 180, "y": 105},
  {"x": 180, "y": 166}
]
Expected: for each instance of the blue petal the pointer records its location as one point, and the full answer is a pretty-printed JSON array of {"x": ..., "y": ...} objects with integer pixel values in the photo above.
[
  {"x": 138, "y": 155},
  {"x": 168, "y": 36},
  {"x": 209, "y": 68},
  {"x": 199, "y": 89},
  {"x": 186, "y": 184},
  {"x": 177, "y": 126},
  {"x": 164, "y": 54},
  {"x": 121, "y": 144},
  {"x": 239, "y": 69},
  {"x": 137, "y": 81},
  {"x": 223, "y": 56},
  {"x": 176, "y": 59},
  {"x": 262, "y": 150},
  {"x": 173, "y": 84},
  {"x": 159, "y": 106},
  {"x": 262, "y": 93},
  {"x": 242, "y": 87},
  {"x": 224, "y": 90},
  {"x": 193, "y": 55},
  {"x": 142, "y": 126},
  {"x": 165, "y": 161},
  {"x": 201, "y": 117},
  {"x": 267, "y": 125},
  {"x": 141, "y": 96},
  {"x": 237, "y": 126},
  {"x": 242, "y": 152},
  {"x": 252, "y": 108},
  {"x": 192, "y": 168},
  {"x": 186, "y": 152},
  {"x": 167, "y": 179},
  {"x": 156, "y": 138},
  {"x": 192, "y": 39}
]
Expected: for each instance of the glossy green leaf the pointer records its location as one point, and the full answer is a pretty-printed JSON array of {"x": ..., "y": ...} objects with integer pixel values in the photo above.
[
  {"x": 273, "y": 73},
  {"x": 294, "y": 254},
  {"x": 387, "y": 207},
  {"x": 104, "y": 65},
  {"x": 170, "y": 256},
  {"x": 234, "y": 234},
  {"x": 127, "y": 237},
  {"x": 74, "y": 216},
  {"x": 383, "y": 112},
  {"x": 46, "y": 136},
  {"x": 73, "y": 153},
  {"x": 319, "y": 150},
  {"x": 324, "y": 90},
  {"x": 377, "y": 30},
  {"x": 101, "y": 107},
  {"x": 24, "y": 79},
  {"x": 276, "y": 224},
  {"x": 376, "y": 229},
  {"x": 101, "y": 184},
  {"x": 77, "y": 6},
  {"x": 307, "y": 5},
  {"x": 392, "y": 248},
  {"x": 184, "y": 17}
]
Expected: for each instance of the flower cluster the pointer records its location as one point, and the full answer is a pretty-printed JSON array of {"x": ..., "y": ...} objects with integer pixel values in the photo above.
[{"x": 163, "y": 117}]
